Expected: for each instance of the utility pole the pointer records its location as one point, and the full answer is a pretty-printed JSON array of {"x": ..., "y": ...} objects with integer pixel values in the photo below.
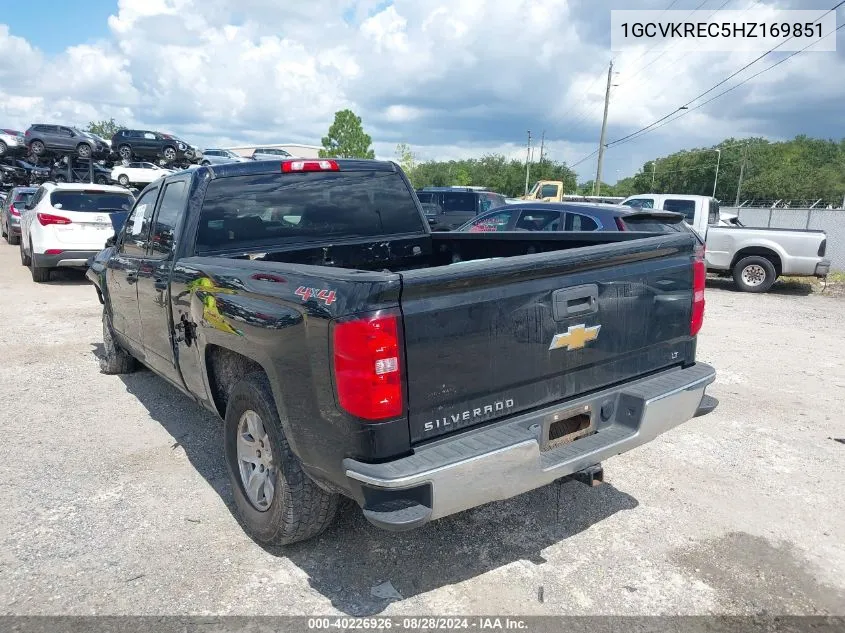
[
  {"x": 542, "y": 142},
  {"x": 597, "y": 184},
  {"x": 653, "y": 171},
  {"x": 741, "y": 172},
  {"x": 527, "y": 162},
  {"x": 716, "y": 178}
]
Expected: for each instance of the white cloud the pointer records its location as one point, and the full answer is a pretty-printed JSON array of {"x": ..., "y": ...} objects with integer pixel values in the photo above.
[{"x": 451, "y": 79}]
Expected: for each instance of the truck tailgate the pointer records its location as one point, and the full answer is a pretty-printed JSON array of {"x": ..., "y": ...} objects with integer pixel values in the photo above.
[{"x": 488, "y": 339}]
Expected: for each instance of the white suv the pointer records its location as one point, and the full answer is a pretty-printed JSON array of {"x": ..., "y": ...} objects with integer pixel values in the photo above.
[{"x": 65, "y": 224}]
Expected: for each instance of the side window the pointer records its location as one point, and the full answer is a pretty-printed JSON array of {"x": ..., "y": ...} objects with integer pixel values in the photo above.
[
  {"x": 172, "y": 203},
  {"x": 686, "y": 207},
  {"x": 65, "y": 131},
  {"x": 579, "y": 222},
  {"x": 640, "y": 203},
  {"x": 136, "y": 228},
  {"x": 149, "y": 136},
  {"x": 133, "y": 165},
  {"x": 548, "y": 191},
  {"x": 532, "y": 220},
  {"x": 493, "y": 222}
]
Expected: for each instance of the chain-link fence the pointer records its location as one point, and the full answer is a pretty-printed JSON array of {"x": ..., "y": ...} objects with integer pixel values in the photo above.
[{"x": 831, "y": 221}]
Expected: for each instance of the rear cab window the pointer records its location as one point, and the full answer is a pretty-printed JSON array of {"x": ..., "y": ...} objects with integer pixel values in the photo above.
[
  {"x": 460, "y": 202},
  {"x": 248, "y": 212},
  {"x": 713, "y": 214},
  {"x": 640, "y": 203},
  {"x": 684, "y": 207}
]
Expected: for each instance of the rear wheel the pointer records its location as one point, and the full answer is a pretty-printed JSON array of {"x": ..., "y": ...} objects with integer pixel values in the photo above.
[
  {"x": 3, "y": 148},
  {"x": 12, "y": 239},
  {"x": 277, "y": 502},
  {"x": 125, "y": 152},
  {"x": 102, "y": 180},
  {"x": 115, "y": 359},
  {"x": 754, "y": 274},
  {"x": 40, "y": 274},
  {"x": 60, "y": 178},
  {"x": 24, "y": 257}
]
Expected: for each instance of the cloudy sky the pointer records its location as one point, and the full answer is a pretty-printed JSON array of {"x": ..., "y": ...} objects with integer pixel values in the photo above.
[{"x": 452, "y": 79}]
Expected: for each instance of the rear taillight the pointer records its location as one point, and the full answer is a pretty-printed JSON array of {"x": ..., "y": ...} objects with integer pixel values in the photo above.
[
  {"x": 53, "y": 251},
  {"x": 14, "y": 211},
  {"x": 822, "y": 248},
  {"x": 367, "y": 369},
  {"x": 46, "y": 219},
  {"x": 621, "y": 225},
  {"x": 292, "y": 166},
  {"x": 699, "y": 276}
]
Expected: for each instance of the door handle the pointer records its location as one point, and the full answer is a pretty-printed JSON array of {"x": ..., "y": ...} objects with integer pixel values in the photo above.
[
  {"x": 131, "y": 277},
  {"x": 572, "y": 302}
]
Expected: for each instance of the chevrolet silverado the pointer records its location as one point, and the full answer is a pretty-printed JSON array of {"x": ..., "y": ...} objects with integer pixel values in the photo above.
[{"x": 352, "y": 351}]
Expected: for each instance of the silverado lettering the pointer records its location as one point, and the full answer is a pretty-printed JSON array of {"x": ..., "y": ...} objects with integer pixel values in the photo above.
[
  {"x": 323, "y": 397},
  {"x": 465, "y": 416}
]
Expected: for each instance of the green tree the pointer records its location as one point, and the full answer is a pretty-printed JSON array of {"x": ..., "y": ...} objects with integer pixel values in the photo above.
[
  {"x": 105, "y": 129},
  {"x": 406, "y": 158},
  {"x": 346, "y": 138}
]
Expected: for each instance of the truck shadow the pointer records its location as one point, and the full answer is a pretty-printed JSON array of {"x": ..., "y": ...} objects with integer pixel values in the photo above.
[
  {"x": 788, "y": 287},
  {"x": 352, "y": 557}
]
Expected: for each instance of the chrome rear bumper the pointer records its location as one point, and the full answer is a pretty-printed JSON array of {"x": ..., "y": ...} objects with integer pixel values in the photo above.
[{"x": 506, "y": 459}]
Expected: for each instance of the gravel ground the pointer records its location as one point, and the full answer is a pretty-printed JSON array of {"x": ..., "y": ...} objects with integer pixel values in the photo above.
[{"x": 114, "y": 497}]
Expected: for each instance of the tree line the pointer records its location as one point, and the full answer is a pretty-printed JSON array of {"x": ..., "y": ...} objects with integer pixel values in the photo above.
[{"x": 751, "y": 169}]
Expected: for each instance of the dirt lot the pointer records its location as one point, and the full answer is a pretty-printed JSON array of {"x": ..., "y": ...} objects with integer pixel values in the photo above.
[{"x": 114, "y": 497}]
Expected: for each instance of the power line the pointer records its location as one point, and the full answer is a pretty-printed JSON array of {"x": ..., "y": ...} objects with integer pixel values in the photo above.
[
  {"x": 725, "y": 80},
  {"x": 724, "y": 92}
]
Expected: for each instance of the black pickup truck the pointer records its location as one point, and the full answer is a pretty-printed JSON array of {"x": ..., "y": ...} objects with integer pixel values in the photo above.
[{"x": 351, "y": 351}]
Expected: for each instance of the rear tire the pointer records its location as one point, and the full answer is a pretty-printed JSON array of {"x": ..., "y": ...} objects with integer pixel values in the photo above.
[
  {"x": 3, "y": 148},
  {"x": 13, "y": 240},
  {"x": 40, "y": 274},
  {"x": 298, "y": 509},
  {"x": 125, "y": 152},
  {"x": 754, "y": 274},
  {"x": 24, "y": 257},
  {"x": 115, "y": 359}
]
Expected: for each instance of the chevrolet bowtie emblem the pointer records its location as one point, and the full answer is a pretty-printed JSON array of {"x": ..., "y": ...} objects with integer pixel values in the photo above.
[{"x": 576, "y": 337}]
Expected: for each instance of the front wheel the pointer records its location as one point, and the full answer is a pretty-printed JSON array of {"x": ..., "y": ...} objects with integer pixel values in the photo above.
[
  {"x": 123, "y": 179},
  {"x": 3, "y": 148},
  {"x": 754, "y": 274},
  {"x": 83, "y": 150},
  {"x": 277, "y": 502},
  {"x": 169, "y": 154},
  {"x": 125, "y": 152},
  {"x": 37, "y": 148}
]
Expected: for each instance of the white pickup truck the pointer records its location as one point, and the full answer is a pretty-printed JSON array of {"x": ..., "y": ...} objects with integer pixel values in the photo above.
[{"x": 755, "y": 257}]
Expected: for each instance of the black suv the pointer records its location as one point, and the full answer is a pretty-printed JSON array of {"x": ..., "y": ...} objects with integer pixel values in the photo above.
[
  {"x": 44, "y": 139},
  {"x": 447, "y": 208},
  {"x": 152, "y": 145}
]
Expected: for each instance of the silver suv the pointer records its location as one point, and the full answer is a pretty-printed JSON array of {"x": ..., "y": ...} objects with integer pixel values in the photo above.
[
  {"x": 221, "y": 157},
  {"x": 269, "y": 153},
  {"x": 11, "y": 142},
  {"x": 59, "y": 139}
]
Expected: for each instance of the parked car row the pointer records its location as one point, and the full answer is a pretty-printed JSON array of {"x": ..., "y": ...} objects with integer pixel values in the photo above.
[{"x": 754, "y": 257}]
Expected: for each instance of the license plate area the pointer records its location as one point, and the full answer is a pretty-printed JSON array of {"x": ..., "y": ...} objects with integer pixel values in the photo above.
[{"x": 564, "y": 427}]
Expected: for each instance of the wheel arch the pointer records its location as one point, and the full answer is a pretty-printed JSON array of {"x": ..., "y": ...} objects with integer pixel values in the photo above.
[{"x": 759, "y": 251}]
